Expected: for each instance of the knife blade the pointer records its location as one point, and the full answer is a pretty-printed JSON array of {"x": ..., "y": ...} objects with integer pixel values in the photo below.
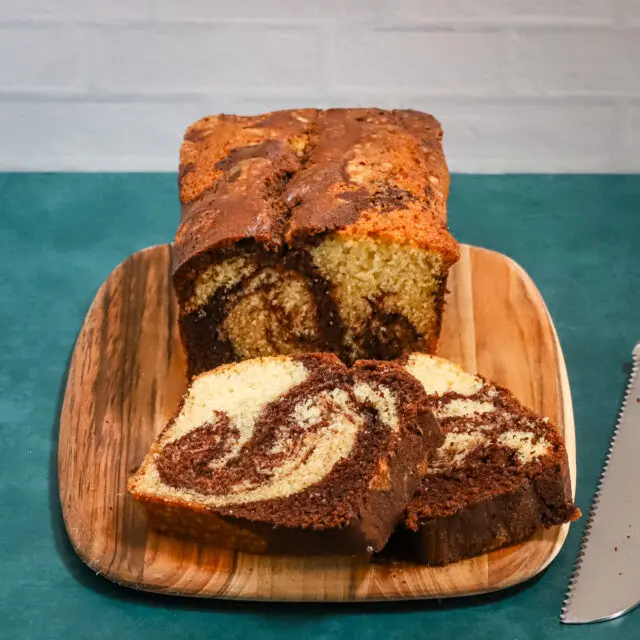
[{"x": 606, "y": 578}]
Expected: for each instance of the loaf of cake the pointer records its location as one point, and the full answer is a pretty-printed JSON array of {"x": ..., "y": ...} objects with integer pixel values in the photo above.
[
  {"x": 501, "y": 474},
  {"x": 290, "y": 454},
  {"x": 311, "y": 230}
]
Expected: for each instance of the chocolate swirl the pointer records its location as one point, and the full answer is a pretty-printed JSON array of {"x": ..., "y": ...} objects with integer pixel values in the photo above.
[{"x": 281, "y": 447}]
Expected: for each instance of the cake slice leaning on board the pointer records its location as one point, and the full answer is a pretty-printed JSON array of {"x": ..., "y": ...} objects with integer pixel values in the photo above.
[
  {"x": 290, "y": 455},
  {"x": 501, "y": 474}
]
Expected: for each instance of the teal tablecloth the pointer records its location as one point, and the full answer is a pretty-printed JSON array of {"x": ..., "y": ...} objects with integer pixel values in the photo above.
[{"x": 61, "y": 235}]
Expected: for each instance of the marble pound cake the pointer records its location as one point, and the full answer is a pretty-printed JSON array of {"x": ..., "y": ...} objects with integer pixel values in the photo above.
[
  {"x": 501, "y": 474},
  {"x": 312, "y": 230},
  {"x": 290, "y": 454}
]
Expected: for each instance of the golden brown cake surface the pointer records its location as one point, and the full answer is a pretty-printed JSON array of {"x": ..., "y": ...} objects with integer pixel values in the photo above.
[{"x": 286, "y": 173}]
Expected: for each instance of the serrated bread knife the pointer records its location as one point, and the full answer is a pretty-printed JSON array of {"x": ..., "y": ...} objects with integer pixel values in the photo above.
[{"x": 606, "y": 578}]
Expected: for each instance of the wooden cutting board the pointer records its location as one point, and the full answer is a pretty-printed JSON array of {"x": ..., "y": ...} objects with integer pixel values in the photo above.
[{"x": 128, "y": 372}]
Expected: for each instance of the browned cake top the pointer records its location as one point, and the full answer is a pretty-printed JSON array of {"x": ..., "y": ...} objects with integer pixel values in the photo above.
[{"x": 289, "y": 174}]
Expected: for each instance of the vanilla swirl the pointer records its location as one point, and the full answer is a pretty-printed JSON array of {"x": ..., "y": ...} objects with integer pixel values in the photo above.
[{"x": 267, "y": 445}]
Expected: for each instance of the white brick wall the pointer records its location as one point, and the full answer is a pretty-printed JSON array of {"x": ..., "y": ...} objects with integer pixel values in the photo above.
[
  {"x": 576, "y": 62},
  {"x": 493, "y": 12},
  {"x": 519, "y": 85},
  {"x": 452, "y": 63},
  {"x": 38, "y": 58},
  {"x": 190, "y": 58}
]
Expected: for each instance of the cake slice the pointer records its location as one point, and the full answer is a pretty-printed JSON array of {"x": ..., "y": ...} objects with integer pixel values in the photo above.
[
  {"x": 290, "y": 455},
  {"x": 312, "y": 230},
  {"x": 501, "y": 474}
]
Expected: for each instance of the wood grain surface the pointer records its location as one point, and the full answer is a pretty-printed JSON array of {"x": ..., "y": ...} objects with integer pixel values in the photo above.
[{"x": 128, "y": 372}]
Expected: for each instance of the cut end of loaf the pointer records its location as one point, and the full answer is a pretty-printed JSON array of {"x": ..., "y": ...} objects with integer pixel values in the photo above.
[
  {"x": 357, "y": 297},
  {"x": 389, "y": 296}
]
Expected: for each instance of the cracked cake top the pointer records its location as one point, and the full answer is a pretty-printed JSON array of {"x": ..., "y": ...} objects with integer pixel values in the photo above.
[{"x": 282, "y": 176}]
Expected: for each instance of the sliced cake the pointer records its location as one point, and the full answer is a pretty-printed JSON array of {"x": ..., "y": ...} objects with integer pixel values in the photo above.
[
  {"x": 312, "y": 230},
  {"x": 501, "y": 474},
  {"x": 290, "y": 455}
]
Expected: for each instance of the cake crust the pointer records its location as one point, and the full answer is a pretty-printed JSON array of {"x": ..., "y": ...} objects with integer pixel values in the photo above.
[{"x": 288, "y": 174}]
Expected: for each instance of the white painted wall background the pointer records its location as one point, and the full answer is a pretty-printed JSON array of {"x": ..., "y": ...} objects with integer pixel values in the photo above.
[{"x": 519, "y": 85}]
